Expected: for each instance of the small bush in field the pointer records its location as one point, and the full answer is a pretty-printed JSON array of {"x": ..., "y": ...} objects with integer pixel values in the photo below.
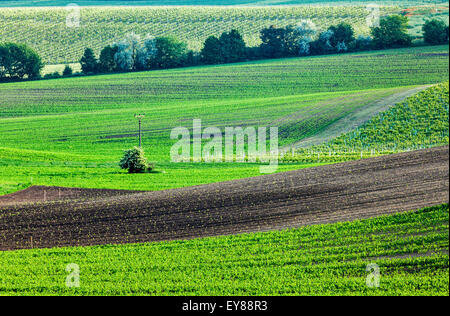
[{"x": 135, "y": 162}]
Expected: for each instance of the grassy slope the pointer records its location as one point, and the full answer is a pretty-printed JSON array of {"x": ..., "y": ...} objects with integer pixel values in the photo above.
[
  {"x": 421, "y": 121},
  {"x": 61, "y": 129},
  {"x": 411, "y": 250}
]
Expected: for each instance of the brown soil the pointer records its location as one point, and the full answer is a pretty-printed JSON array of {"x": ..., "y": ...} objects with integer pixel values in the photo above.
[
  {"x": 327, "y": 194},
  {"x": 37, "y": 194}
]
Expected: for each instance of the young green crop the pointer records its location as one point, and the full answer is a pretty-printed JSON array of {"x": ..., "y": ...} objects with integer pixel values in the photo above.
[
  {"x": 421, "y": 121},
  {"x": 411, "y": 250}
]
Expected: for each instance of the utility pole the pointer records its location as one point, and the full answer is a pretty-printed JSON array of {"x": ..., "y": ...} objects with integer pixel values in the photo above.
[{"x": 140, "y": 117}]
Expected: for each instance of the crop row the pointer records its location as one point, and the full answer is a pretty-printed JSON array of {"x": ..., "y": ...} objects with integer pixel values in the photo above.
[
  {"x": 421, "y": 121},
  {"x": 45, "y": 29}
]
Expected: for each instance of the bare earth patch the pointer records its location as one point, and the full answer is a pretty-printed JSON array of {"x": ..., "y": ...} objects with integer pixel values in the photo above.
[{"x": 42, "y": 194}]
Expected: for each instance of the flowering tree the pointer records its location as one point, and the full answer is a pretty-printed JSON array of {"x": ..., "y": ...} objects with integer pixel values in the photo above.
[
  {"x": 146, "y": 52},
  {"x": 341, "y": 47},
  {"x": 134, "y": 161},
  {"x": 127, "y": 52},
  {"x": 133, "y": 53},
  {"x": 307, "y": 30}
]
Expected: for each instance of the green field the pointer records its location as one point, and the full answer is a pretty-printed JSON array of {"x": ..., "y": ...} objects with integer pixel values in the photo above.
[
  {"x": 411, "y": 250},
  {"x": 72, "y": 132}
]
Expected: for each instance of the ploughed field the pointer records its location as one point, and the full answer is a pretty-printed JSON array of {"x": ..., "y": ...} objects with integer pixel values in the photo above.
[
  {"x": 340, "y": 192},
  {"x": 410, "y": 249}
]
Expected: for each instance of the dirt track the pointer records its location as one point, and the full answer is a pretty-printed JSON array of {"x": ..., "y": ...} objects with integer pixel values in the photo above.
[
  {"x": 357, "y": 118},
  {"x": 340, "y": 192}
]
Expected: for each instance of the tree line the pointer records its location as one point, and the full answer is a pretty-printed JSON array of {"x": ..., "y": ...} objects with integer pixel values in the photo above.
[
  {"x": 18, "y": 61},
  {"x": 303, "y": 39}
]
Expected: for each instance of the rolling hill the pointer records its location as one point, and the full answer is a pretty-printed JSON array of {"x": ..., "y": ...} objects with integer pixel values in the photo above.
[
  {"x": 311, "y": 228},
  {"x": 71, "y": 132},
  {"x": 326, "y": 194},
  {"x": 45, "y": 28}
]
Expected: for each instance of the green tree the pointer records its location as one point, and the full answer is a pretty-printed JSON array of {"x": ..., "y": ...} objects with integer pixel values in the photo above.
[
  {"x": 89, "y": 63},
  {"x": 342, "y": 33},
  {"x": 272, "y": 42},
  {"x": 134, "y": 161},
  {"x": 362, "y": 43},
  {"x": 5, "y": 61},
  {"x": 191, "y": 59},
  {"x": 392, "y": 32},
  {"x": 67, "y": 71},
  {"x": 54, "y": 75},
  {"x": 435, "y": 32},
  {"x": 280, "y": 42},
  {"x": 212, "y": 51},
  {"x": 323, "y": 44},
  {"x": 19, "y": 61},
  {"x": 170, "y": 53},
  {"x": 107, "y": 62},
  {"x": 233, "y": 46}
]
